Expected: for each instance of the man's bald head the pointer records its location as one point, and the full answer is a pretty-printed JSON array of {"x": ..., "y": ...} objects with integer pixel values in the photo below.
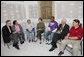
[{"x": 63, "y": 21}]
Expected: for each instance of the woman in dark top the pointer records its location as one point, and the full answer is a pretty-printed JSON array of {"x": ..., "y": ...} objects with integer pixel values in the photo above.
[{"x": 40, "y": 28}]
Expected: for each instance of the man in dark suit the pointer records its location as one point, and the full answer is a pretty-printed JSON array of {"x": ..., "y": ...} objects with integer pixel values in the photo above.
[
  {"x": 8, "y": 36},
  {"x": 61, "y": 32}
]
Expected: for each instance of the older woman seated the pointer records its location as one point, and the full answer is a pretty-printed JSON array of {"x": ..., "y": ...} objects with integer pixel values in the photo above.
[
  {"x": 40, "y": 28},
  {"x": 19, "y": 31}
]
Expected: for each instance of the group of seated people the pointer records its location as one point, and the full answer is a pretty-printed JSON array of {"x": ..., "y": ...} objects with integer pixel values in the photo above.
[{"x": 57, "y": 32}]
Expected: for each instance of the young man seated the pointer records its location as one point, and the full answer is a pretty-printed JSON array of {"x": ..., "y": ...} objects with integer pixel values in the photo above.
[
  {"x": 53, "y": 25},
  {"x": 61, "y": 32},
  {"x": 73, "y": 37}
]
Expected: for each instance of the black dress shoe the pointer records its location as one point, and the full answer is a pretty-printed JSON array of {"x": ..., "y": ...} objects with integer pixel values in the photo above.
[
  {"x": 60, "y": 53},
  {"x": 14, "y": 44},
  {"x": 52, "y": 48},
  {"x": 22, "y": 42},
  {"x": 17, "y": 47},
  {"x": 55, "y": 46}
]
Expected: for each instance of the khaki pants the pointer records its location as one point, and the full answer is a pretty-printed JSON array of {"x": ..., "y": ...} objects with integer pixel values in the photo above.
[{"x": 75, "y": 45}]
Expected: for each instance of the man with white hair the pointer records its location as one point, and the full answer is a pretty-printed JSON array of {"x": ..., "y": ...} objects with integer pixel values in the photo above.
[{"x": 61, "y": 32}]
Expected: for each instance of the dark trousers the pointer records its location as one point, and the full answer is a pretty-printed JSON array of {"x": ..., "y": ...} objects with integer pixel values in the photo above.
[
  {"x": 20, "y": 36},
  {"x": 14, "y": 39},
  {"x": 56, "y": 37},
  {"x": 39, "y": 32}
]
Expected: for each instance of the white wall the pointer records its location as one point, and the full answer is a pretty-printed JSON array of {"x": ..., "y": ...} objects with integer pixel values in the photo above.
[
  {"x": 69, "y": 10},
  {"x": 23, "y": 10},
  {"x": 18, "y": 10}
]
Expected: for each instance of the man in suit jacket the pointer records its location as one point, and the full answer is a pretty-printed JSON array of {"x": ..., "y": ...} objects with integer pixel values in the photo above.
[
  {"x": 61, "y": 32},
  {"x": 6, "y": 32}
]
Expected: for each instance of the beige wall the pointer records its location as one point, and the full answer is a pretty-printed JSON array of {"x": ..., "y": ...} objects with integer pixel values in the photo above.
[
  {"x": 12, "y": 11},
  {"x": 69, "y": 10},
  {"x": 23, "y": 10}
]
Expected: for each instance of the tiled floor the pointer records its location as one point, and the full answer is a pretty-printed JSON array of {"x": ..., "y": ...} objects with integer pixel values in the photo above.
[{"x": 32, "y": 49}]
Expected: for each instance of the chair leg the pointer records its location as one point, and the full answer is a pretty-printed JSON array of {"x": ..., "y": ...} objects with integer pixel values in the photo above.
[
  {"x": 4, "y": 44},
  {"x": 8, "y": 46},
  {"x": 43, "y": 39},
  {"x": 81, "y": 48}
]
